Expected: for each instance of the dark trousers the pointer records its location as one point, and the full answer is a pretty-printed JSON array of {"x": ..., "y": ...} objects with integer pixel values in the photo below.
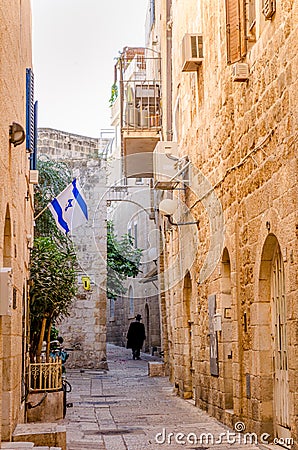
[{"x": 135, "y": 352}]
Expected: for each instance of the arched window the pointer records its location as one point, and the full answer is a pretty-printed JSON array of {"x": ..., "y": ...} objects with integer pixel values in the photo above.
[{"x": 131, "y": 301}]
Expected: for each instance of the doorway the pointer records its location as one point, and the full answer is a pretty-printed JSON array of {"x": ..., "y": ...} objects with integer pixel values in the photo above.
[
  {"x": 147, "y": 328},
  {"x": 227, "y": 330},
  {"x": 272, "y": 294},
  {"x": 187, "y": 387}
]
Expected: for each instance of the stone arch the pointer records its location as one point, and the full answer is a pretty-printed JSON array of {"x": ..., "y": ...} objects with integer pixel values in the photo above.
[
  {"x": 6, "y": 337},
  {"x": 265, "y": 338},
  {"x": 186, "y": 386},
  {"x": 227, "y": 329},
  {"x": 131, "y": 306},
  {"x": 147, "y": 328},
  {"x": 7, "y": 239}
]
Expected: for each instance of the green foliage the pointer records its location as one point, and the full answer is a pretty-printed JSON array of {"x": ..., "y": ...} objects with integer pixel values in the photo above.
[
  {"x": 114, "y": 94},
  {"x": 53, "y": 283},
  {"x": 53, "y": 260},
  {"x": 123, "y": 261}
]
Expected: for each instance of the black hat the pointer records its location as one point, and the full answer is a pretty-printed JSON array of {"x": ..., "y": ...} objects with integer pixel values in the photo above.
[{"x": 138, "y": 317}]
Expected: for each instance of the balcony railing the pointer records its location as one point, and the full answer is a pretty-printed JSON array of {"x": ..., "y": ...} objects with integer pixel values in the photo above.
[
  {"x": 45, "y": 376},
  {"x": 141, "y": 109}
]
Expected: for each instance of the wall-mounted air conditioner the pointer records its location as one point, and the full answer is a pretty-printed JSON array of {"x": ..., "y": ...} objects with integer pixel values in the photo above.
[
  {"x": 5, "y": 291},
  {"x": 269, "y": 8},
  {"x": 240, "y": 72},
  {"x": 33, "y": 176},
  {"x": 192, "y": 52},
  {"x": 165, "y": 165}
]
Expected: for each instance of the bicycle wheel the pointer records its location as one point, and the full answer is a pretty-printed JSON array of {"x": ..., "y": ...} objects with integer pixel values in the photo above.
[{"x": 68, "y": 386}]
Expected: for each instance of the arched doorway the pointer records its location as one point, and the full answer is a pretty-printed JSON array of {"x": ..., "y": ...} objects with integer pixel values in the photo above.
[
  {"x": 147, "y": 328},
  {"x": 7, "y": 242},
  {"x": 187, "y": 385},
  {"x": 131, "y": 305},
  {"x": 227, "y": 330},
  {"x": 272, "y": 294},
  {"x": 6, "y": 339}
]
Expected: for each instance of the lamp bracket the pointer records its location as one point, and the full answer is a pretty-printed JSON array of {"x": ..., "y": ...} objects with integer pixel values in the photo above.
[{"x": 169, "y": 217}]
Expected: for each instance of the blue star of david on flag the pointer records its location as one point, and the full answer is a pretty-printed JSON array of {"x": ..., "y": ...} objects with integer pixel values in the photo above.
[{"x": 69, "y": 208}]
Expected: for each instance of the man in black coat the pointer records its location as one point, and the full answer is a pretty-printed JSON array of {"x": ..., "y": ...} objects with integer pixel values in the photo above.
[{"x": 136, "y": 336}]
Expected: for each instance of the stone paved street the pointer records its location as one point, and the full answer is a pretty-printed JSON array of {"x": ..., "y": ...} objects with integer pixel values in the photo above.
[{"x": 124, "y": 408}]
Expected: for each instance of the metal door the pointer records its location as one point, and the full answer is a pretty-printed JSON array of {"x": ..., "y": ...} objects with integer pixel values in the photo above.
[{"x": 280, "y": 357}]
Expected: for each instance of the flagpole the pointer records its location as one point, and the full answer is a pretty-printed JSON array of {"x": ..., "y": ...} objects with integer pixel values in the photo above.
[{"x": 39, "y": 214}]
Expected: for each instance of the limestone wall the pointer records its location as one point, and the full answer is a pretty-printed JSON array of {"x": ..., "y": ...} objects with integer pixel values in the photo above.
[
  {"x": 16, "y": 203},
  {"x": 242, "y": 137}
]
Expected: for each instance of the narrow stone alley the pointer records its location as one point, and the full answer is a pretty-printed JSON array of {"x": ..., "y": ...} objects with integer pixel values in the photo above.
[{"x": 124, "y": 408}]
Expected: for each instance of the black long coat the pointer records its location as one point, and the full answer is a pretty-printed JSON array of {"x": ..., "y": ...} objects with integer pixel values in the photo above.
[{"x": 136, "y": 335}]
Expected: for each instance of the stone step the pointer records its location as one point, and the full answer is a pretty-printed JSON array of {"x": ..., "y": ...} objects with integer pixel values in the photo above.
[
  {"x": 25, "y": 446},
  {"x": 17, "y": 445},
  {"x": 48, "y": 435}
]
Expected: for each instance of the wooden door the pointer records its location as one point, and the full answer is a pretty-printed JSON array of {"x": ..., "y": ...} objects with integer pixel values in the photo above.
[{"x": 280, "y": 357}]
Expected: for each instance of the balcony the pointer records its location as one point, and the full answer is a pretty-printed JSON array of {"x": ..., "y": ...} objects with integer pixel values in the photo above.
[{"x": 140, "y": 110}]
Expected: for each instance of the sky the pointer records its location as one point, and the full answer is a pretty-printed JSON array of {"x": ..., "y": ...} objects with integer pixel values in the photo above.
[{"x": 75, "y": 43}]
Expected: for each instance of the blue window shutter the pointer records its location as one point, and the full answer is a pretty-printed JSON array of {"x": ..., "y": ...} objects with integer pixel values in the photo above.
[
  {"x": 33, "y": 156},
  {"x": 29, "y": 110}
]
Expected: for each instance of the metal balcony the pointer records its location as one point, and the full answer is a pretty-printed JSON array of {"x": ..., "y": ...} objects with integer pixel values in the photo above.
[{"x": 140, "y": 91}]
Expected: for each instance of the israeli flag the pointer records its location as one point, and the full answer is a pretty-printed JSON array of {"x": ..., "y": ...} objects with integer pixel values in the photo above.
[{"x": 69, "y": 208}]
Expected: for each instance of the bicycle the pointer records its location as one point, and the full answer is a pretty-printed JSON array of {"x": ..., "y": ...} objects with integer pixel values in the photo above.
[{"x": 57, "y": 350}]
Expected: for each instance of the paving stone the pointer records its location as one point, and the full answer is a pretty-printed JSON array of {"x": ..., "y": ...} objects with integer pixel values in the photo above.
[{"x": 127, "y": 409}]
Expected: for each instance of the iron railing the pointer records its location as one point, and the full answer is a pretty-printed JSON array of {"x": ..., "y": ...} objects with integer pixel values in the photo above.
[{"x": 45, "y": 376}]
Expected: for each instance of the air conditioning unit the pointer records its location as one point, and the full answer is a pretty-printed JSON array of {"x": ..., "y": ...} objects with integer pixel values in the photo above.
[
  {"x": 269, "y": 8},
  {"x": 5, "y": 291},
  {"x": 192, "y": 52},
  {"x": 165, "y": 165},
  {"x": 33, "y": 176},
  {"x": 240, "y": 72}
]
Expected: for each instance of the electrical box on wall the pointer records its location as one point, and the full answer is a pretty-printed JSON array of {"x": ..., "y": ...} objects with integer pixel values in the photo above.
[
  {"x": 5, "y": 291},
  {"x": 33, "y": 176},
  {"x": 217, "y": 322},
  {"x": 240, "y": 72}
]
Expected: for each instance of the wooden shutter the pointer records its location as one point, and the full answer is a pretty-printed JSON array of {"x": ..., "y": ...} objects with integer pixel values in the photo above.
[
  {"x": 236, "y": 39},
  {"x": 33, "y": 156},
  {"x": 251, "y": 13},
  {"x": 29, "y": 110}
]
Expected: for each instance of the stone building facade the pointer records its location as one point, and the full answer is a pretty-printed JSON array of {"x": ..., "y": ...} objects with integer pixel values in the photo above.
[
  {"x": 130, "y": 200},
  {"x": 16, "y": 212},
  {"x": 85, "y": 328},
  {"x": 230, "y": 321}
]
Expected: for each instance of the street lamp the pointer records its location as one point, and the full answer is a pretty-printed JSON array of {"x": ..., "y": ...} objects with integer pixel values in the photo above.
[{"x": 16, "y": 134}]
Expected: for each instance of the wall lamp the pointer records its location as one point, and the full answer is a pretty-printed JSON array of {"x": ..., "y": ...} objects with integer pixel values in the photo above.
[
  {"x": 16, "y": 134},
  {"x": 167, "y": 208}
]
